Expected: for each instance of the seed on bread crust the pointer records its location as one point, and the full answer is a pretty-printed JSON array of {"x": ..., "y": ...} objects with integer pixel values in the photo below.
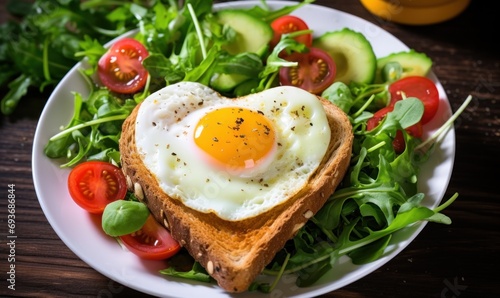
[
  {"x": 210, "y": 267},
  {"x": 164, "y": 218},
  {"x": 138, "y": 191},
  {"x": 308, "y": 214},
  {"x": 130, "y": 184},
  {"x": 298, "y": 226}
]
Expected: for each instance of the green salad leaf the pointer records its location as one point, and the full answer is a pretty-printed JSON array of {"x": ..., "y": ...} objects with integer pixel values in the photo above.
[
  {"x": 94, "y": 130},
  {"x": 197, "y": 272},
  {"x": 40, "y": 45},
  {"x": 123, "y": 217}
]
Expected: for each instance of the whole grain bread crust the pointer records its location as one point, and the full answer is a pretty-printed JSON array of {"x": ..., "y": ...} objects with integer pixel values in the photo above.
[{"x": 235, "y": 253}]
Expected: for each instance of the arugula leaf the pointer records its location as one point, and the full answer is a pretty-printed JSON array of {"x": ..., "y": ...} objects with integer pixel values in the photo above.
[
  {"x": 377, "y": 197},
  {"x": 265, "y": 13},
  {"x": 340, "y": 95},
  {"x": 94, "y": 130},
  {"x": 161, "y": 68},
  {"x": 42, "y": 47},
  {"x": 17, "y": 89},
  {"x": 197, "y": 273},
  {"x": 407, "y": 112},
  {"x": 274, "y": 62},
  {"x": 370, "y": 252},
  {"x": 248, "y": 64}
]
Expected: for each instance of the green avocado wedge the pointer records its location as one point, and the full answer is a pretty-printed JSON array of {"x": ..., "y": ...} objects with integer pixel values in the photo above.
[{"x": 413, "y": 63}]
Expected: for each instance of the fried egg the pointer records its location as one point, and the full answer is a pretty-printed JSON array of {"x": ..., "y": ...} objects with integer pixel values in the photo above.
[{"x": 236, "y": 158}]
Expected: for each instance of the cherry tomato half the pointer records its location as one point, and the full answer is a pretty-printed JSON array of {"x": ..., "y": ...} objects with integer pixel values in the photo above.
[
  {"x": 316, "y": 71},
  {"x": 398, "y": 142},
  {"x": 289, "y": 24},
  {"x": 151, "y": 242},
  {"x": 94, "y": 184},
  {"x": 422, "y": 88},
  {"x": 120, "y": 68}
]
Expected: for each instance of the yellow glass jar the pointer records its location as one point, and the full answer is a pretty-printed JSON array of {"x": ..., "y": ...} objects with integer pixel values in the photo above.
[{"x": 416, "y": 12}]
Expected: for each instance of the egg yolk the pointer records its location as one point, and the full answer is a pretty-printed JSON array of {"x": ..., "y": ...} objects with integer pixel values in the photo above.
[{"x": 238, "y": 138}]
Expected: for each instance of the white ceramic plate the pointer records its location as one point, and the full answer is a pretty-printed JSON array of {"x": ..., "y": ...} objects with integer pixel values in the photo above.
[{"x": 81, "y": 233}]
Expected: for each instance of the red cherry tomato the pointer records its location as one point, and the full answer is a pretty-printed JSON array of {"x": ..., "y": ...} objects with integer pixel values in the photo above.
[
  {"x": 420, "y": 87},
  {"x": 316, "y": 71},
  {"x": 120, "y": 68},
  {"x": 289, "y": 24},
  {"x": 94, "y": 184},
  {"x": 398, "y": 143},
  {"x": 377, "y": 117},
  {"x": 151, "y": 242}
]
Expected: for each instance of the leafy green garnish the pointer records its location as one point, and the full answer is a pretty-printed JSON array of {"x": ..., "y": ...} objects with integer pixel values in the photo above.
[
  {"x": 94, "y": 131},
  {"x": 123, "y": 217},
  {"x": 197, "y": 272},
  {"x": 41, "y": 48},
  {"x": 377, "y": 198}
]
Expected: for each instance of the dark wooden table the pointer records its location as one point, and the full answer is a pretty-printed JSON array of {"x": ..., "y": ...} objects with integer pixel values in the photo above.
[{"x": 459, "y": 260}]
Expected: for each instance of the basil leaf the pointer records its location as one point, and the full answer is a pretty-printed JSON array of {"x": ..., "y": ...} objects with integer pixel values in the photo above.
[{"x": 124, "y": 217}]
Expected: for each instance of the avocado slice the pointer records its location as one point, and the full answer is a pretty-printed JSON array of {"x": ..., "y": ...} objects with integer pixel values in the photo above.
[{"x": 413, "y": 63}]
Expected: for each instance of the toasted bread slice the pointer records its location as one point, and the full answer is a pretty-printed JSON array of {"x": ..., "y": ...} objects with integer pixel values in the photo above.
[{"x": 234, "y": 253}]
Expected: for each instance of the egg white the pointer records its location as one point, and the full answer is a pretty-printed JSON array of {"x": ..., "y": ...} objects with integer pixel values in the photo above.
[{"x": 164, "y": 138}]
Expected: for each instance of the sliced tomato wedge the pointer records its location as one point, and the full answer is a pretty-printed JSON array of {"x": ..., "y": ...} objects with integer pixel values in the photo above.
[
  {"x": 398, "y": 142},
  {"x": 151, "y": 242},
  {"x": 414, "y": 130},
  {"x": 422, "y": 88},
  {"x": 316, "y": 71},
  {"x": 377, "y": 117},
  {"x": 120, "y": 69},
  {"x": 94, "y": 184},
  {"x": 289, "y": 24}
]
